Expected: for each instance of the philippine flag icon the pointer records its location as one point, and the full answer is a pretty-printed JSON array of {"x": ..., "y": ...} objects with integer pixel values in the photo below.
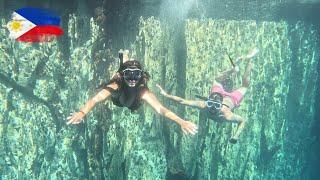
[{"x": 34, "y": 25}]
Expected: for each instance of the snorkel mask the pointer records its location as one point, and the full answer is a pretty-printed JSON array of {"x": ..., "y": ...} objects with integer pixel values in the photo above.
[
  {"x": 132, "y": 76},
  {"x": 130, "y": 70},
  {"x": 214, "y": 102}
]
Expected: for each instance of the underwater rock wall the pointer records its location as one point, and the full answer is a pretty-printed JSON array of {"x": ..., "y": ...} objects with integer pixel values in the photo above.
[
  {"x": 301, "y": 98},
  {"x": 37, "y": 93},
  {"x": 273, "y": 144},
  {"x": 274, "y": 120},
  {"x": 39, "y": 88},
  {"x": 257, "y": 154}
]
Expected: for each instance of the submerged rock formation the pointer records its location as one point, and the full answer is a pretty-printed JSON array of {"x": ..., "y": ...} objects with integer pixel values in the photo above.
[{"x": 41, "y": 84}]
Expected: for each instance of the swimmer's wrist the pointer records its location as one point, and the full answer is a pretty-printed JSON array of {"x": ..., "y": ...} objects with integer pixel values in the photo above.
[
  {"x": 180, "y": 121},
  {"x": 174, "y": 117},
  {"x": 81, "y": 111}
]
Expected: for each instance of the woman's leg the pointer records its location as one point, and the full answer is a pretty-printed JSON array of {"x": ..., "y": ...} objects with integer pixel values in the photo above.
[
  {"x": 238, "y": 94},
  {"x": 251, "y": 54},
  {"x": 240, "y": 127},
  {"x": 246, "y": 75},
  {"x": 223, "y": 75}
]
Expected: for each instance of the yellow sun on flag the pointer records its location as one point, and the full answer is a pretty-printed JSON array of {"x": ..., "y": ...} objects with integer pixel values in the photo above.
[
  {"x": 15, "y": 26},
  {"x": 19, "y": 26}
]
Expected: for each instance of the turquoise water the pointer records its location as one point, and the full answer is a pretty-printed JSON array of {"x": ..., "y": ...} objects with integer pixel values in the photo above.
[{"x": 184, "y": 45}]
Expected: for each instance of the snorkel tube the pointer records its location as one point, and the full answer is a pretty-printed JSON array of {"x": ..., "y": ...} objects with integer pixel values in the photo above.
[
  {"x": 201, "y": 97},
  {"x": 121, "y": 58},
  {"x": 231, "y": 61}
]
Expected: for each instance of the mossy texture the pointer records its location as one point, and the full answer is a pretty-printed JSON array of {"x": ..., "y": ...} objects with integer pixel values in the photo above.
[{"x": 39, "y": 87}]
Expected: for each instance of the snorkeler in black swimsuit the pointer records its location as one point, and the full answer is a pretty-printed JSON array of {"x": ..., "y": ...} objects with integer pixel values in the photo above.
[
  {"x": 132, "y": 83},
  {"x": 128, "y": 88}
]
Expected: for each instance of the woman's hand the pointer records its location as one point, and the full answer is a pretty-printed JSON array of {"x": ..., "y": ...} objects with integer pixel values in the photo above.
[
  {"x": 76, "y": 117},
  {"x": 161, "y": 90},
  {"x": 189, "y": 127}
]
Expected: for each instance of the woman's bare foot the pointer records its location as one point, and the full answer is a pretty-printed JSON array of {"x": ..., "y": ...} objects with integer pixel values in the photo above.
[{"x": 252, "y": 53}]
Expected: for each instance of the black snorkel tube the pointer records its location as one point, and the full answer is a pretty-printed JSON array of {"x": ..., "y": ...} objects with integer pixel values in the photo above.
[
  {"x": 231, "y": 61},
  {"x": 121, "y": 59},
  {"x": 201, "y": 97}
]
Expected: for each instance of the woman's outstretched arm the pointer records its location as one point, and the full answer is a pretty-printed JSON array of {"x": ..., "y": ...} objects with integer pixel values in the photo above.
[
  {"x": 77, "y": 117},
  {"x": 186, "y": 126},
  {"x": 192, "y": 103}
]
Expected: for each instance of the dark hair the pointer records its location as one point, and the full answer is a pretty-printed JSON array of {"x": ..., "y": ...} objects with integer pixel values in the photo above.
[
  {"x": 127, "y": 64},
  {"x": 228, "y": 85},
  {"x": 133, "y": 64},
  {"x": 216, "y": 97},
  {"x": 118, "y": 77}
]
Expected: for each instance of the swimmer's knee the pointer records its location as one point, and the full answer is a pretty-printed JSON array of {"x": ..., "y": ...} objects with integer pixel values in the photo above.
[
  {"x": 245, "y": 82},
  {"x": 242, "y": 90}
]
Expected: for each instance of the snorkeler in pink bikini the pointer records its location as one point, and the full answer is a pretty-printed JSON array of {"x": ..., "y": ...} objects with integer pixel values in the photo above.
[{"x": 220, "y": 104}]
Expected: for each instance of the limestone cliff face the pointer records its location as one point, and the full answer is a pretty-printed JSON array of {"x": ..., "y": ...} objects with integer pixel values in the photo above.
[{"x": 41, "y": 84}]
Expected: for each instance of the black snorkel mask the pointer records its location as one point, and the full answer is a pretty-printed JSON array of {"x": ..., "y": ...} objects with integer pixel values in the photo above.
[
  {"x": 213, "y": 104},
  {"x": 131, "y": 71},
  {"x": 133, "y": 74}
]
